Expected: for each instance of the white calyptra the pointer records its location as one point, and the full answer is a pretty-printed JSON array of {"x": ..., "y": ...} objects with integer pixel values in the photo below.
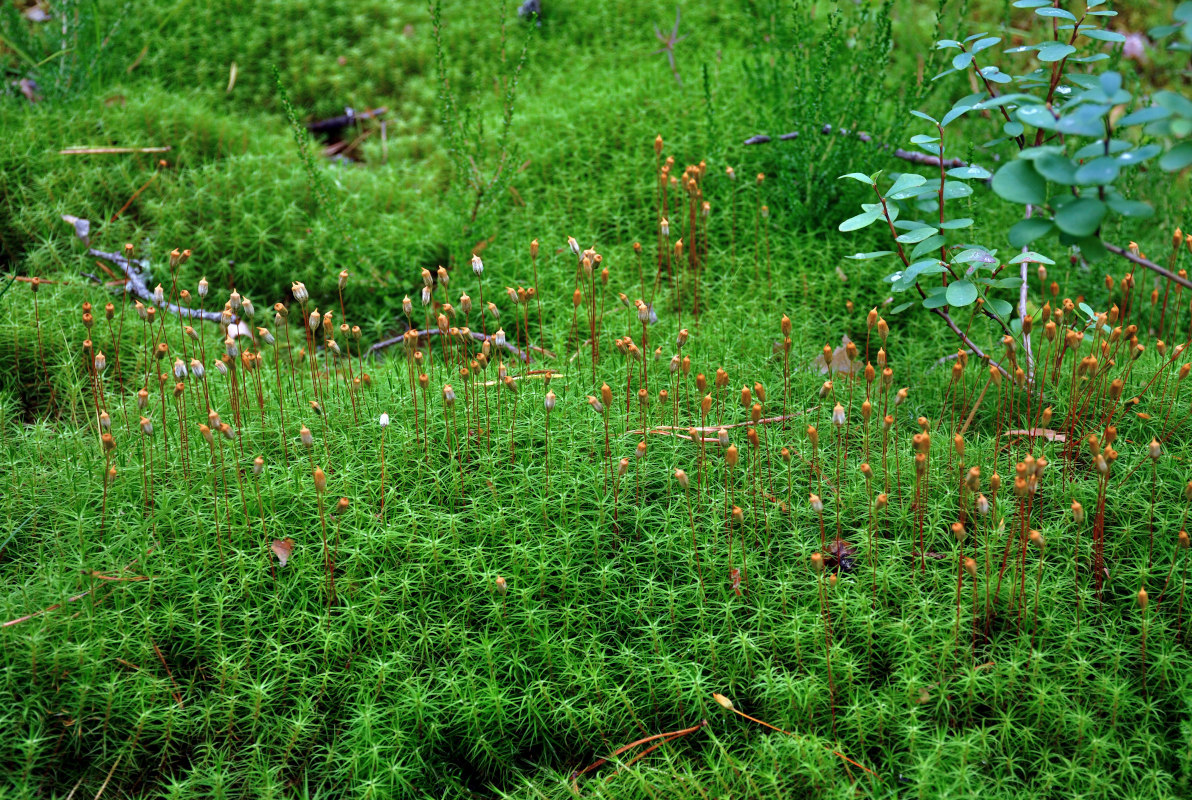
[
  {"x": 384, "y": 420},
  {"x": 477, "y": 265}
]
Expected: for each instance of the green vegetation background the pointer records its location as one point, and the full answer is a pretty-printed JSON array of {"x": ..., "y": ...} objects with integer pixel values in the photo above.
[{"x": 425, "y": 684}]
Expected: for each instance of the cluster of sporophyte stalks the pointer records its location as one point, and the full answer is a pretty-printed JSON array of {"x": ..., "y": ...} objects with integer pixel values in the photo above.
[{"x": 736, "y": 498}]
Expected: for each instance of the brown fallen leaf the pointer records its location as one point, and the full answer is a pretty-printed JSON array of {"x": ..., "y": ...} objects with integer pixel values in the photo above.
[
  {"x": 29, "y": 89},
  {"x": 840, "y": 362},
  {"x": 283, "y": 548},
  {"x": 1040, "y": 433}
]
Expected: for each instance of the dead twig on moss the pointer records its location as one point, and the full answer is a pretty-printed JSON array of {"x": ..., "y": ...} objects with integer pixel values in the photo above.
[
  {"x": 922, "y": 159},
  {"x": 136, "y": 275},
  {"x": 683, "y": 431},
  {"x": 104, "y": 151}
]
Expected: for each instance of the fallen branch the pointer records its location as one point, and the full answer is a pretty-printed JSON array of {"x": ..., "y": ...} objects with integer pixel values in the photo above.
[
  {"x": 949, "y": 357},
  {"x": 671, "y": 735},
  {"x": 54, "y": 607},
  {"x": 350, "y": 117},
  {"x": 68, "y": 600},
  {"x": 162, "y": 659},
  {"x": 136, "y": 274},
  {"x": 100, "y": 576},
  {"x": 1151, "y": 265},
  {"x": 727, "y": 704},
  {"x": 964, "y": 337},
  {"x": 973, "y": 412},
  {"x": 912, "y": 156},
  {"x": 103, "y": 151},
  {"x": 674, "y": 430},
  {"x": 480, "y": 337}
]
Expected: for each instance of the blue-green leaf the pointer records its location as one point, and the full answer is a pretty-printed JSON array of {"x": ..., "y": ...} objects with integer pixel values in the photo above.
[
  {"x": 1140, "y": 155},
  {"x": 906, "y": 181},
  {"x": 1057, "y": 13},
  {"x": 1173, "y": 101},
  {"x": 1092, "y": 249},
  {"x": 995, "y": 75},
  {"x": 999, "y": 307},
  {"x": 1081, "y": 217},
  {"x": 1006, "y": 99},
  {"x": 1056, "y": 168},
  {"x": 858, "y": 176},
  {"x": 1097, "y": 148},
  {"x": 956, "y": 112},
  {"x": 927, "y": 245},
  {"x": 908, "y": 277},
  {"x": 1084, "y": 121},
  {"x": 1055, "y": 51},
  {"x": 1143, "y": 116},
  {"x": 921, "y": 115},
  {"x": 1098, "y": 172},
  {"x": 969, "y": 173},
  {"x": 917, "y": 235},
  {"x": 962, "y": 60},
  {"x": 1034, "y": 153},
  {"x": 1102, "y": 35},
  {"x": 867, "y": 256},
  {"x": 1177, "y": 157},
  {"x": 962, "y": 293},
  {"x": 1130, "y": 208},
  {"x": 860, "y": 221},
  {"x": 954, "y": 190},
  {"x": 1019, "y": 183},
  {"x": 1025, "y": 231},
  {"x": 1037, "y": 117},
  {"x": 1032, "y": 257},
  {"x": 1011, "y": 282},
  {"x": 956, "y": 224},
  {"x": 974, "y": 255}
]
